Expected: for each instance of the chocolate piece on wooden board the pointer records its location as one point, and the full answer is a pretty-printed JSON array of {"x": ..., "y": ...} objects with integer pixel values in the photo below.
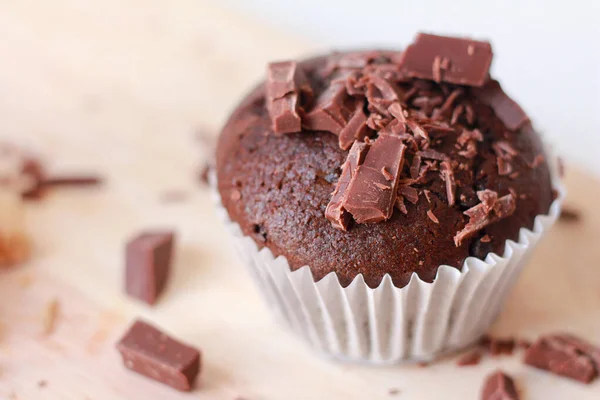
[
  {"x": 565, "y": 355},
  {"x": 447, "y": 59},
  {"x": 505, "y": 108},
  {"x": 335, "y": 213},
  {"x": 150, "y": 352},
  {"x": 148, "y": 259},
  {"x": 499, "y": 386},
  {"x": 371, "y": 195}
]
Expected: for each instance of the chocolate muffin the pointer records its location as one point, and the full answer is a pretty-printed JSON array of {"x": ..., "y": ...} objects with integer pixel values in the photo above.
[
  {"x": 383, "y": 162},
  {"x": 385, "y": 201}
]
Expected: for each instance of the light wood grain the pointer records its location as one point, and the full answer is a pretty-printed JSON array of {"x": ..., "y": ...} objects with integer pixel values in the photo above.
[{"x": 119, "y": 87}]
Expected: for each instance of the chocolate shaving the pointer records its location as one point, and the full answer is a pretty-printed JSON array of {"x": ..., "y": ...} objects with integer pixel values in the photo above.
[
  {"x": 400, "y": 205},
  {"x": 424, "y": 59},
  {"x": 467, "y": 136},
  {"x": 486, "y": 213},
  {"x": 284, "y": 114},
  {"x": 448, "y": 176},
  {"x": 395, "y": 109},
  {"x": 433, "y": 155},
  {"x": 335, "y": 212},
  {"x": 417, "y": 130},
  {"x": 471, "y": 150},
  {"x": 386, "y": 174},
  {"x": 485, "y": 239},
  {"x": 504, "y": 167},
  {"x": 355, "y": 129},
  {"x": 469, "y": 114},
  {"x": 499, "y": 386},
  {"x": 505, "y": 108},
  {"x": 410, "y": 193},
  {"x": 415, "y": 166},
  {"x": 364, "y": 202},
  {"x": 432, "y": 217},
  {"x": 456, "y": 113},
  {"x": 504, "y": 149}
]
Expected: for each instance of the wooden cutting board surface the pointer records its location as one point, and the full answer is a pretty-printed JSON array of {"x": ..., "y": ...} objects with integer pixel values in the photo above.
[{"x": 119, "y": 88}]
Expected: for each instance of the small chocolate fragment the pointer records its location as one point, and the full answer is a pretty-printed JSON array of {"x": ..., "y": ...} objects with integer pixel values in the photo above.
[
  {"x": 365, "y": 200},
  {"x": 490, "y": 210},
  {"x": 448, "y": 176},
  {"x": 505, "y": 108},
  {"x": 410, "y": 193},
  {"x": 147, "y": 264},
  {"x": 148, "y": 351},
  {"x": 563, "y": 355},
  {"x": 432, "y": 217},
  {"x": 204, "y": 174},
  {"x": 473, "y": 357},
  {"x": 501, "y": 346},
  {"x": 72, "y": 181},
  {"x": 355, "y": 129},
  {"x": 485, "y": 239},
  {"x": 569, "y": 215},
  {"x": 330, "y": 112},
  {"x": 433, "y": 155},
  {"x": 285, "y": 82},
  {"x": 335, "y": 213},
  {"x": 499, "y": 386},
  {"x": 468, "y": 61}
]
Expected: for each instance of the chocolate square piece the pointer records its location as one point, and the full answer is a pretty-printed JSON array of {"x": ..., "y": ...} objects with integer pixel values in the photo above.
[
  {"x": 148, "y": 261},
  {"x": 148, "y": 351},
  {"x": 447, "y": 59}
]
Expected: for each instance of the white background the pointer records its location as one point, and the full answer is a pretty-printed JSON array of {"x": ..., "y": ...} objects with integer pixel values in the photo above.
[{"x": 547, "y": 53}]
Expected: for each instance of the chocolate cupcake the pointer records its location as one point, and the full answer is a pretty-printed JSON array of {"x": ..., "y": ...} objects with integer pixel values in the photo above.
[{"x": 386, "y": 200}]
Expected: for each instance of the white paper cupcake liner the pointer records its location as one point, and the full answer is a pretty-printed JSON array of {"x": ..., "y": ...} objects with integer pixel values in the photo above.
[{"x": 386, "y": 324}]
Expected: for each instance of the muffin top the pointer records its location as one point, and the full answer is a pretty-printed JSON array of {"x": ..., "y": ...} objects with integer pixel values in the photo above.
[{"x": 383, "y": 162}]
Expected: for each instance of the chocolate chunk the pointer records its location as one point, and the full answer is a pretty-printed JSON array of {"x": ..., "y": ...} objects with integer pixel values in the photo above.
[
  {"x": 425, "y": 59},
  {"x": 284, "y": 114},
  {"x": 148, "y": 351},
  {"x": 499, "y": 386},
  {"x": 366, "y": 201},
  {"x": 147, "y": 264},
  {"x": 72, "y": 181},
  {"x": 285, "y": 84},
  {"x": 563, "y": 355},
  {"x": 505, "y": 108},
  {"x": 330, "y": 112},
  {"x": 448, "y": 176},
  {"x": 335, "y": 212},
  {"x": 284, "y": 78},
  {"x": 473, "y": 357},
  {"x": 355, "y": 129},
  {"x": 485, "y": 213},
  {"x": 569, "y": 215}
]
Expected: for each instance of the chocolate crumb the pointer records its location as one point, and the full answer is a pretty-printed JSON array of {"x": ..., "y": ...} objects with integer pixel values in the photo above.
[
  {"x": 473, "y": 357},
  {"x": 50, "y": 316},
  {"x": 485, "y": 239},
  {"x": 204, "y": 174},
  {"x": 569, "y": 215},
  {"x": 393, "y": 391},
  {"x": 42, "y": 384},
  {"x": 173, "y": 196}
]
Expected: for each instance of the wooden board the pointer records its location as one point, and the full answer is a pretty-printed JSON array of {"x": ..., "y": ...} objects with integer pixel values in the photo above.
[{"x": 119, "y": 87}]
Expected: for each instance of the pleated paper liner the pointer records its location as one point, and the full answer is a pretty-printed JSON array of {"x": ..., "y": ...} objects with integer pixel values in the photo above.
[{"x": 386, "y": 324}]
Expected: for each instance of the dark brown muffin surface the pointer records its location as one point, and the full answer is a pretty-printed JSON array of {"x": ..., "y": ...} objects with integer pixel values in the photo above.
[{"x": 277, "y": 187}]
